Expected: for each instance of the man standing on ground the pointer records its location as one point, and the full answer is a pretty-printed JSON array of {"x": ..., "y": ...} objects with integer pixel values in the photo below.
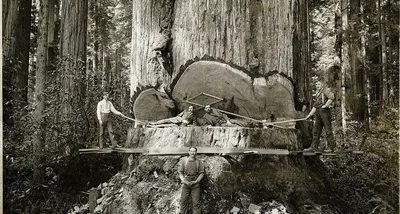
[
  {"x": 191, "y": 171},
  {"x": 104, "y": 107},
  {"x": 185, "y": 118},
  {"x": 323, "y": 117}
]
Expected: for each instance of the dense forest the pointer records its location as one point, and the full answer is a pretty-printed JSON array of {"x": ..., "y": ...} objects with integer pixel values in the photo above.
[{"x": 59, "y": 56}]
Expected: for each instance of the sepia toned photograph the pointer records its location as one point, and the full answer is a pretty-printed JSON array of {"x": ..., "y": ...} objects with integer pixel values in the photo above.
[{"x": 200, "y": 106}]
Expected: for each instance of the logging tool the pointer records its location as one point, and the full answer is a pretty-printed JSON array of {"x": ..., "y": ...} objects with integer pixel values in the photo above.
[
  {"x": 219, "y": 99},
  {"x": 138, "y": 121}
]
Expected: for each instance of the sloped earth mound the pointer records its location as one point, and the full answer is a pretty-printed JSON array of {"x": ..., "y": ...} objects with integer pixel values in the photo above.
[{"x": 275, "y": 184}]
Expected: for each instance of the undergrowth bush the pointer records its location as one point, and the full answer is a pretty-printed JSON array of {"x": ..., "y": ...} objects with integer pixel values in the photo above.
[
  {"x": 66, "y": 173},
  {"x": 368, "y": 183}
]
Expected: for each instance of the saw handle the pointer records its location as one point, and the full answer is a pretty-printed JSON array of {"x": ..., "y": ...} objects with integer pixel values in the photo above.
[{"x": 285, "y": 121}]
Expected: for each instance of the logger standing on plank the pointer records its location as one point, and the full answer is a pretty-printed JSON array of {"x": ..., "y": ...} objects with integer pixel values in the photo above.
[
  {"x": 104, "y": 107},
  {"x": 191, "y": 171},
  {"x": 323, "y": 117}
]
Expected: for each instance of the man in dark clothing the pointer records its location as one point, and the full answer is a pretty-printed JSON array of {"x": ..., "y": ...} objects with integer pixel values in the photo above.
[
  {"x": 191, "y": 171},
  {"x": 322, "y": 112},
  {"x": 184, "y": 118},
  {"x": 213, "y": 117}
]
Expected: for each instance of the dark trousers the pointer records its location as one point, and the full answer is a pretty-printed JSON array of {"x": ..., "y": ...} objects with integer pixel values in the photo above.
[
  {"x": 323, "y": 119},
  {"x": 105, "y": 118},
  {"x": 193, "y": 191}
]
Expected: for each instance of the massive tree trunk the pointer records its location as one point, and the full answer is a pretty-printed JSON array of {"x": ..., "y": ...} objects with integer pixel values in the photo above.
[
  {"x": 53, "y": 32},
  {"x": 356, "y": 95},
  {"x": 73, "y": 57},
  {"x": 391, "y": 69},
  {"x": 301, "y": 50},
  {"x": 254, "y": 35},
  {"x": 366, "y": 83},
  {"x": 345, "y": 59},
  {"x": 16, "y": 34},
  {"x": 383, "y": 92},
  {"x": 253, "y": 42},
  {"x": 42, "y": 63}
]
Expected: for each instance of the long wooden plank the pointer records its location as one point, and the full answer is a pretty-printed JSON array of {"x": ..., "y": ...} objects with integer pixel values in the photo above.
[
  {"x": 97, "y": 150},
  {"x": 185, "y": 150},
  {"x": 326, "y": 153},
  {"x": 213, "y": 150}
]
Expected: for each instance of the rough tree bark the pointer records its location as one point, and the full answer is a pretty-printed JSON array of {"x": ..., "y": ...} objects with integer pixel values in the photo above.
[
  {"x": 345, "y": 59},
  {"x": 42, "y": 63},
  {"x": 254, "y": 35},
  {"x": 391, "y": 74},
  {"x": 16, "y": 34},
  {"x": 73, "y": 61},
  {"x": 53, "y": 32},
  {"x": 366, "y": 84},
  {"x": 383, "y": 90},
  {"x": 301, "y": 50},
  {"x": 356, "y": 95}
]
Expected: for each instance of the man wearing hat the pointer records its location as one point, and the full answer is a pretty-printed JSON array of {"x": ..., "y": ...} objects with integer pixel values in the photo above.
[
  {"x": 104, "y": 107},
  {"x": 323, "y": 100}
]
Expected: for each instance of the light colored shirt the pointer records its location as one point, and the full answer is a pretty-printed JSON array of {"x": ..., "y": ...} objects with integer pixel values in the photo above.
[
  {"x": 187, "y": 115},
  {"x": 323, "y": 95},
  {"x": 106, "y": 107}
]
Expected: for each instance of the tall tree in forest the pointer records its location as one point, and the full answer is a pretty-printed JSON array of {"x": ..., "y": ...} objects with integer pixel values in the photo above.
[
  {"x": 38, "y": 115},
  {"x": 392, "y": 23},
  {"x": 344, "y": 58},
  {"x": 366, "y": 84},
  {"x": 53, "y": 31},
  {"x": 100, "y": 16},
  {"x": 383, "y": 92},
  {"x": 356, "y": 96},
  {"x": 72, "y": 66},
  {"x": 16, "y": 34}
]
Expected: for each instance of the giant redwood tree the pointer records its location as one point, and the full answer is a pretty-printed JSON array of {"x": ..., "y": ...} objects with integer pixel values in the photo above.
[
  {"x": 41, "y": 71},
  {"x": 74, "y": 20},
  {"x": 16, "y": 31}
]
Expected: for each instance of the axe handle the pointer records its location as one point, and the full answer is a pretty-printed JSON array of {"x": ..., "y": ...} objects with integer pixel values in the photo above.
[
  {"x": 138, "y": 121},
  {"x": 285, "y": 121}
]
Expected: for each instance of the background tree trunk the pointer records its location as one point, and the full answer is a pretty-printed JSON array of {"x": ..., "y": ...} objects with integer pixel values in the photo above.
[
  {"x": 73, "y": 61},
  {"x": 383, "y": 90},
  {"x": 16, "y": 35},
  {"x": 38, "y": 116},
  {"x": 356, "y": 95},
  {"x": 345, "y": 59},
  {"x": 366, "y": 83},
  {"x": 53, "y": 32}
]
